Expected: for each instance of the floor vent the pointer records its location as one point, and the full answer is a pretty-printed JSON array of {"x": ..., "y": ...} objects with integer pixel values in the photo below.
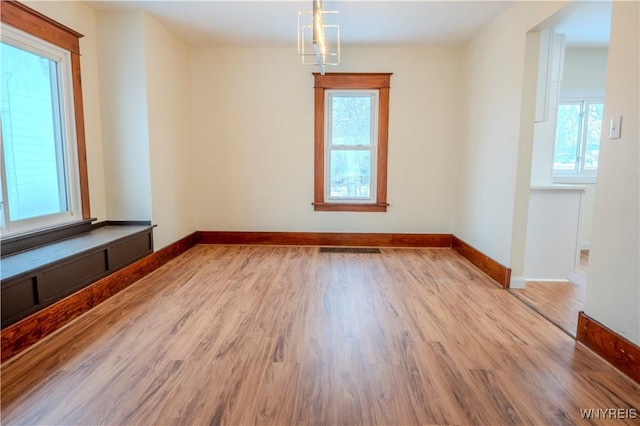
[{"x": 348, "y": 250}]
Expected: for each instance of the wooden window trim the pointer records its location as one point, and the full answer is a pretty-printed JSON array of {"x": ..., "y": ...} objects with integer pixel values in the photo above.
[
  {"x": 374, "y": 81},
  {"x": 30, "y": 21}
]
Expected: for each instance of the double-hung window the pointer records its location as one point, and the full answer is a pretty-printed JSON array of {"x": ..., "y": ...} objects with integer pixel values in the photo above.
[
  {"x": 351, "y": 132},
  {"x": 351, "y": 145},
  {"x": 40, "y": 171},
  {"x": 577, "y": 144}
]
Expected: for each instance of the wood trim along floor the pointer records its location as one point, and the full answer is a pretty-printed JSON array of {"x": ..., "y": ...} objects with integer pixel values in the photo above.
[
  {"x": 327, "y": 239},
  {"x": 500, "y": 273},
  {"x": 19, "y": 336},
  {"x": 620, "y": 352}
]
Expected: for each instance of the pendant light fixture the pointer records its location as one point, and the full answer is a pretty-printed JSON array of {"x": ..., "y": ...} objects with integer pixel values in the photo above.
[{"x": 319, "y": 36}]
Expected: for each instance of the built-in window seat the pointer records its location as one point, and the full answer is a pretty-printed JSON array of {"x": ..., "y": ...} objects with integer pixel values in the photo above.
[{"x": 34, "y": 278}]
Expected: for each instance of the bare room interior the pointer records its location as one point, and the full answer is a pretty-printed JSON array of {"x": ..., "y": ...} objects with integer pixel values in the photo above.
[{"x": 320, "y": 212}]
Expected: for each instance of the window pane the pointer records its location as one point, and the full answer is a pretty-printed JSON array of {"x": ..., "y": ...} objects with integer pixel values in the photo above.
[
  {"x": 567, "y": 137},
  {"x": 594, "y": 133},
  {"x": 31, "y": 135},
  {"x": 350, "y": 174},
  {"x": 351, "y": 120}
]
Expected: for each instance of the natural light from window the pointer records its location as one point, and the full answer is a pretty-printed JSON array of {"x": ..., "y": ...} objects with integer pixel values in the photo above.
[
  {"x": 351, "y": 146},
  {"x": 31, "y": 135},
  {"x": 577, "y": 145},
  {"x": 39, "y": 167}
]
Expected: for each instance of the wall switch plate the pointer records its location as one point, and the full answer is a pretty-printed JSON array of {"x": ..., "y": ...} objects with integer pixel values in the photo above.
[{"x": 614, "y": 127}]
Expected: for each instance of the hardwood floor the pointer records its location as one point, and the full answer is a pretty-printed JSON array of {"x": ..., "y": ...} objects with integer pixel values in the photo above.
[
  {"x": 584, "y": 260},
  {"x": 287, "y": 335},
  {"x": 559, "y": 302}
]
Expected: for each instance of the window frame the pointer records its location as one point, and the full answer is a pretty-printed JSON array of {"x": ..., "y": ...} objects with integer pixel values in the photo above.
[
  {"x": 372, "y": 147},
  {"x": 44, "y": 29},
  {"x": 579, "y": 174},
  {"x": 379, "y": 82}
]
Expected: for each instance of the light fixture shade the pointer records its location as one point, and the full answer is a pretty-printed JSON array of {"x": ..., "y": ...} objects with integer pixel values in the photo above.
[{"x": 319, "y": 36}]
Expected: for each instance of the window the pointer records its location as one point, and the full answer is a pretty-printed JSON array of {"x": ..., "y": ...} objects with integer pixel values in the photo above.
[
  {"x": 43, "y": 166},
  {"x": 351, "y": 132},
  {"x": 577, "y": 146},
  {"x": 351, "y": 145}
]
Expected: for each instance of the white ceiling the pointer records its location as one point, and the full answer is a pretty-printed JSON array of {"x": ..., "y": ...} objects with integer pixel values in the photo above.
[
  {"x": 588, "y": 25},
  {"x": 362, "y": 22}
]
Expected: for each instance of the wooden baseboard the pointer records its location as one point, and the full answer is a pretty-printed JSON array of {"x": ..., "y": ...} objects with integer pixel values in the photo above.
[
  {"x": 19, "y": 336},
  {"x": 620, "y": 352},
  {"x": 498, "y": 272},
  {"x": 326, "y": 239}
]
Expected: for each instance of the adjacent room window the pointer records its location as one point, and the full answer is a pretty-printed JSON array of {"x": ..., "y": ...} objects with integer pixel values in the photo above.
[
  {"x": 577, "y": 146},
  {"x": 351, "y": 132},
  {"x": 41, "y": 141}
]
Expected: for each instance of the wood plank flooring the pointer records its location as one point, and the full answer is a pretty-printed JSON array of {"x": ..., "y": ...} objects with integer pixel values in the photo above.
[
  {"x": 559, "y": 302},
  {"x": 286, "y": 335}
]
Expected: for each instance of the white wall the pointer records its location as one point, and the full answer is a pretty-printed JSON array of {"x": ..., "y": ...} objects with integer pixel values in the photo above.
[
  {"x": 253, "y": 134},
  {"x": 613, "y": 290},
  {"x": 585, "y": 69},
  {"x": 488, "y": 179},
  {"x": 123, "y": 89},
  {"x": 80, "y": 17},
  {"x": 553, "y": 232},
  {"x": 168, "y": 76},
  {"x": 146, "y": 107}
]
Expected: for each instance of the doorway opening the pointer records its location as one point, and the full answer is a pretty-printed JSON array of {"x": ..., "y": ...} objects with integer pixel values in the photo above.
[{"x": 572, "y": 56}]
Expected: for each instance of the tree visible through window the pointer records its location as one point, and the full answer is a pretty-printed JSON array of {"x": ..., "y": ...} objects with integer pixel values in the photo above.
[
  {"x": 351, "y": 144},
  {"x": 577, "y": 146}
]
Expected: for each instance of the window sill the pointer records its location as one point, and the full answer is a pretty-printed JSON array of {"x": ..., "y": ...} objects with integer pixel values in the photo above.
[
  {"x": 574, "y": 179},
  {"x": 350, "y": 207},
  {"x": 13, "y": 243}
]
